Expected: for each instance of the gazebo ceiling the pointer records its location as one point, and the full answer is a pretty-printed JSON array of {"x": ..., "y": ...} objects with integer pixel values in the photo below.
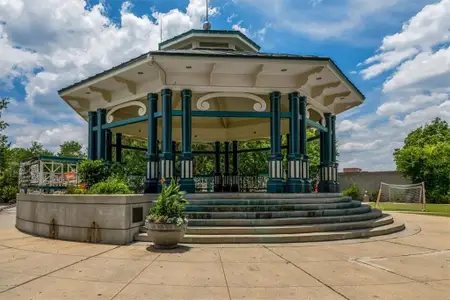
[{"x": 229, "y": 79}]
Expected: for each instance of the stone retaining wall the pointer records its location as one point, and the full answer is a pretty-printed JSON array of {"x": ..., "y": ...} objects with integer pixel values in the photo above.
[
  {"x": 112, "y": 219},
  {"x": 370, "y": 181}
]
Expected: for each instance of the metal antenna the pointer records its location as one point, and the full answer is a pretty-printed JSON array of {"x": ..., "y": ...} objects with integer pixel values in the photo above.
[{"x": 206, "y": 25}]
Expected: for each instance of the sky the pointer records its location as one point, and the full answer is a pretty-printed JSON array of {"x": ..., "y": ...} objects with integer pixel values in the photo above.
[{"x": 397, "y": 52}]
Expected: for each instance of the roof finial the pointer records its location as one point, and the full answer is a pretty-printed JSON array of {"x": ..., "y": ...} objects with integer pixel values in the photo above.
[{"x": 206, "y": 25}]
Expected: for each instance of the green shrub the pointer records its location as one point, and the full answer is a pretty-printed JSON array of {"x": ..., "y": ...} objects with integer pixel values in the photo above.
[
  {"x": 112, "y": 185},
  {"x": 374, "y": 195},
  {"x": 92, "y": 172},
  {"x": 169, "y": 205},
  {"x": 8, "y": 193},
  {"x": 352, "y": 191},
  {"x": 73, "y": 189}
]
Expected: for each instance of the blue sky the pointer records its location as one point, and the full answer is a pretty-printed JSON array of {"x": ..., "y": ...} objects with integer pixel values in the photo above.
[{"x": 396, "y": 51}]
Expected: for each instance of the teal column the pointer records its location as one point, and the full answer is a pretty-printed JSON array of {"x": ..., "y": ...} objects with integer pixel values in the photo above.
[
  {"x": 166, "y": 157},
  {"x": 118, "y": 147},
  {"x": 101, "y": 119},
  {"x": 235, "y": 174},
  {"x": 226, "y": 175},
  {"x": 306, "y": 182},
  {"x": 294, "y": 182},
  {"x": 92, "y": 138},
  {"x": 108, "y": 145},
  {"x": 218, "y": 187},
  {"x": 187, "y": 177},
  {"x": 326, "y": 184},
  {"x": 151, "y": 180},
  {"x": 275, "y": 183},
  {"x": 337, "y": 188}
]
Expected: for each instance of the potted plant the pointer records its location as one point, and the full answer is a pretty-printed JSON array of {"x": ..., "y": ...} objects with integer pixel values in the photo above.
[{"x": 166, "y": 223}]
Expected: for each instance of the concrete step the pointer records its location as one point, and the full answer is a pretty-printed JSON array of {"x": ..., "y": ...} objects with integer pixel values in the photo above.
[
  {"x": 270, "y": 208},
  {"x": 248, "y": 196},
  {"x": 255, "y": 223},
  {"x": 278, "y": 201},
  {"x": 289, "y": 229},
  {"x": 373, "y": 214},
  {"x": 278, "y": 214},
  {"x": 287, "y": 238}
]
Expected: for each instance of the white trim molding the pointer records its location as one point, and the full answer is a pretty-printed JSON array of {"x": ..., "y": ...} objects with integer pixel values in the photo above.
[
  {"x": 142, "y": 109},
  {"x": 259, "y": 106}
]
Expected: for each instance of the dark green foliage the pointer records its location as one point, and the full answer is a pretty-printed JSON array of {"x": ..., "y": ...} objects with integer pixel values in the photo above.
[
  {"x": 4, "y": 144},
  {"x": 71, "y": 149},
  {"x": 353, "y": 191},
  {"x": 112, "y": 185},
  {"x": 374, "y": 195},
  {"x": 169, "y": 205},
  {"x": 8, "y": 193},
  {"x": 73, "y": 189},
  {"x": 93, "y": 171},
  {"x": 425, "y": 157}
]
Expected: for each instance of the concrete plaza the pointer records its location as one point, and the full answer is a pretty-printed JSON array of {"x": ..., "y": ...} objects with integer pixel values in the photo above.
[{"x": 413, "y": 264}]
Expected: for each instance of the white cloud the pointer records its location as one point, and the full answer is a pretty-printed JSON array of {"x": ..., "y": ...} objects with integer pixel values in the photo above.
[
  {"x": 58, "y": 42},
  {"x": 416, "y": 72},
  {"x": 355, "y": 146},
  {"x": 230, "y": 18},
  {"x": 427, "y": 29},
  {"x": 411, "y": 104},
  {"x": 347, "y": 125},
  {"x": 330, "y": 19},
  {"x": 416, "y": 91},
  {"x": 259, "y": 34}
]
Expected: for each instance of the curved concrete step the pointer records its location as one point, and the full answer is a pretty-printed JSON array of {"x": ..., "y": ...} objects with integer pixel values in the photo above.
[
  {"x": 289, "y": 229},
  {"x": 279, "y": 201},
  {"x": 373, "y": 214},
  {"x": 278, "y": 214},
  {"x": 248, "y": 196},
  {"x": 287, "y": 238},
  {"x": 270, "y": 208}
]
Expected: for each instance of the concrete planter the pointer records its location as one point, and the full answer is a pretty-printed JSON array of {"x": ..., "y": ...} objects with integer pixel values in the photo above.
[{"x": 165, "y": 236}]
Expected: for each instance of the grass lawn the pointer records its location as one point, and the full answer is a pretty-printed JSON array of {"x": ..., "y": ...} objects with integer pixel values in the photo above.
[{"x": 431, "y": 209}]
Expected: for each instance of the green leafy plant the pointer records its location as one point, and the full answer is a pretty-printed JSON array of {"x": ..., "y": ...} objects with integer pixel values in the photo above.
[
  {"x": 112, "y": 185},
  {"x": 374, "y": 195},
  {"x": 169, "y": 205},
  {"x": 8, "y": 193},
  {"x": 73, "y": 189},
  {"x": 352, "y": 191},
  {"x": 92, "y": 172}
]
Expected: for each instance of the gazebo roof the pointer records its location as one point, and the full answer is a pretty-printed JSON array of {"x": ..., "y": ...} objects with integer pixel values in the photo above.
[
  {"x": 214, "y": 53},
  {"x": 224, "y": 70},
  {"x": 208, "y": 33}
]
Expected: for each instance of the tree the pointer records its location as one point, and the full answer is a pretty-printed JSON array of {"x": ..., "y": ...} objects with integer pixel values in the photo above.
[
  {"x": 4, "y": 144},
  {"x": 71, "y": 149},
  {"x": 425, "y": 157},
  {"x": 37, "y": 149}
]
